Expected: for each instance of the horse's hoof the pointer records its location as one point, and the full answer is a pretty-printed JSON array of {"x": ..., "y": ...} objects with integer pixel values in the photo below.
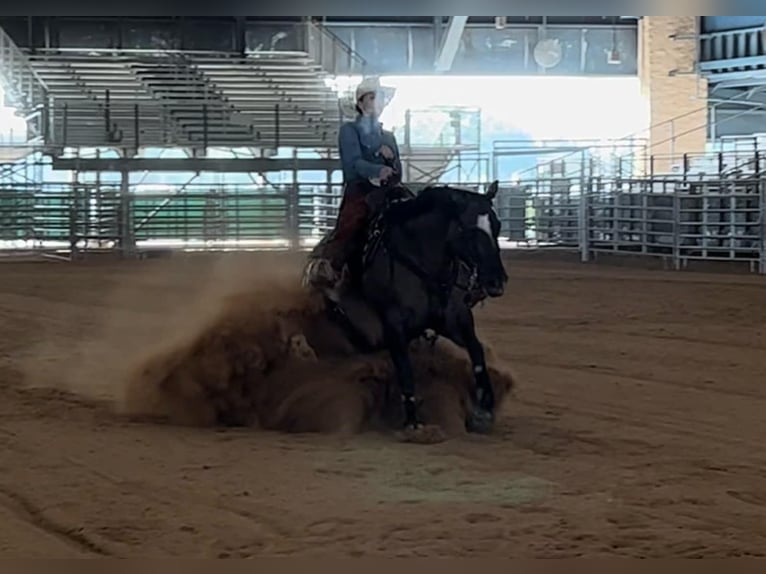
[
  {"x": 480, "y": 421},
  {"x": 423, "y": 434}
]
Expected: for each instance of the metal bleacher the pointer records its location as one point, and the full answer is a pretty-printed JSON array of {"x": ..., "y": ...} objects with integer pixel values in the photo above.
[
  {"x": 141, "y": 98},
  {"x": 187, "y": 100},
  {"x": 263, "y": 100}
]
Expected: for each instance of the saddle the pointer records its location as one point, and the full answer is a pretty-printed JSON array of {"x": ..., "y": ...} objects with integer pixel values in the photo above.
[
  {"x": 318, "y": 271},
  {"x": 377, "y": 226}
]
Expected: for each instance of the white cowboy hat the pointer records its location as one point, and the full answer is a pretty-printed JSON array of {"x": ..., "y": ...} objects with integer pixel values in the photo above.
[{"x": 371, "y": 84}]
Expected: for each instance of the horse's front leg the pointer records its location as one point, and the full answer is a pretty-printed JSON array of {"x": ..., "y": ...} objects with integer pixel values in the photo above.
[
  {"x": 461, "y": 329},
  {"x": 482, "y": 419}
]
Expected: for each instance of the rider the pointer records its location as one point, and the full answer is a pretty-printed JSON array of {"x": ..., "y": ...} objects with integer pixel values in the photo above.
[{"x": 371, "y": 166}]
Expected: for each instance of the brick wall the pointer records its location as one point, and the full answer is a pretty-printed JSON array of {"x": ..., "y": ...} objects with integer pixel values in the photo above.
[{"x": 672, "y": 90}]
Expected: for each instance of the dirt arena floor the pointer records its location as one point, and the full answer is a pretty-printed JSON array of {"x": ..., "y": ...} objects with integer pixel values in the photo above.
[{"x": 637, "y": 427}]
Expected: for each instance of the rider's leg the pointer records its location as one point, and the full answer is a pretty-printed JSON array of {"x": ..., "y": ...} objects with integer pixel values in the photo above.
[
  {"x": 332, "y": 252},
  {"x": 351, "y": 219}
]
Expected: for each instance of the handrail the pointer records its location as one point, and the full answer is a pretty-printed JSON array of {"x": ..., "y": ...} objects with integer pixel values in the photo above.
[
  {"x": 315, "y": 49},
  {"x": 356, "y": 55}
]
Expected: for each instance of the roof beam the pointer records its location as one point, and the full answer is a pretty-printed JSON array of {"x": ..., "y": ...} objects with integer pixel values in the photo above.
[
  {"x": 729, "y": 63},
  {"x": 744, "y": 77},
  {"x": 450, "y": 43}
]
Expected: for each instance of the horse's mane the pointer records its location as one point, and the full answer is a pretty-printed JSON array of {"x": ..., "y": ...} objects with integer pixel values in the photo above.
[{"x": 442, "y": 198}]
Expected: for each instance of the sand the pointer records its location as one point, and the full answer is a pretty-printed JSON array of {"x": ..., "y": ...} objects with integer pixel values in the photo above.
[{"x": 635, "y": 427}]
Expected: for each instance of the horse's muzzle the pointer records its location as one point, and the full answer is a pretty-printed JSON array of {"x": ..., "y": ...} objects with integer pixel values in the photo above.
[{"x": 495, "y": 288}]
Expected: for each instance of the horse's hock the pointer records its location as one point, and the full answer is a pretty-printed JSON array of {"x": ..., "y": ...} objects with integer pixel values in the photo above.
[{"x": 284, "y": 366}]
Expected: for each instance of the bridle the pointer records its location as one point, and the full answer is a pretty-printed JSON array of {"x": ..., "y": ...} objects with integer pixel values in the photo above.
[{"x": 442, "y": 284}]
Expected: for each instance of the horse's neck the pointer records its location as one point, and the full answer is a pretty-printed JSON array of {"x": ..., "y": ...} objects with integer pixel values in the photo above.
[{"x": 425, "y": 238}]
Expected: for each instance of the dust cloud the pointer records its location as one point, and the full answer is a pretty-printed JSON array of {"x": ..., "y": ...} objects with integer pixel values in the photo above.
[
  {"x": 232, "y": 340},
  {"x": 271, "y": 359}
]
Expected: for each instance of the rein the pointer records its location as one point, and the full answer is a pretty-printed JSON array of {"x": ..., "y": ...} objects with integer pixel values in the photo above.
[
  {"x": 443, "y": 284},
  {"x": 440, "y": 285}
]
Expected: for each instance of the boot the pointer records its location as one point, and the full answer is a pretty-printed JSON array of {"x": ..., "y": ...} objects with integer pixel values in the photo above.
[{"x": 327, "y": 273}]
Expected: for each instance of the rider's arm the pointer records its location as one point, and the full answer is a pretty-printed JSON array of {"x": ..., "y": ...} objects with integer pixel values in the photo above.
[
  {"x": 351, "y": 154},
  {"x": 397, "y": 163}
]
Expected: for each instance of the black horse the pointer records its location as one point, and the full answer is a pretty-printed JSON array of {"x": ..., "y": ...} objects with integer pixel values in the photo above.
[{"x": 424, "y": 261}]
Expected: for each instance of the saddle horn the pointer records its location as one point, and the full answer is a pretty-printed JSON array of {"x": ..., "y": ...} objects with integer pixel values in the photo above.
[{"x": 492, "y": 190}]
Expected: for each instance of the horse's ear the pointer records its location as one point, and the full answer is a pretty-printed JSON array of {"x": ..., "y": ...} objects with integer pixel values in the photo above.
[{"x": 492, "y": 190}]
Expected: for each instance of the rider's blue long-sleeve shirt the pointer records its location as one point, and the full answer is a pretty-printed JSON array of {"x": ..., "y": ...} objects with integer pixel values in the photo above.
[{"x": 359, "y": 142}]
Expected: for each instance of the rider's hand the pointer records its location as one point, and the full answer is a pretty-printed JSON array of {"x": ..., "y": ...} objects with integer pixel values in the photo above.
[
  {"x": 386, "y": 152},
  {"x": 385, "y": 173}
]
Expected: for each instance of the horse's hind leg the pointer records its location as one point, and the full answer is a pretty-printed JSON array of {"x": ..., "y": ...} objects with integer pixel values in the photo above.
[{"x": 398, "y": 347}]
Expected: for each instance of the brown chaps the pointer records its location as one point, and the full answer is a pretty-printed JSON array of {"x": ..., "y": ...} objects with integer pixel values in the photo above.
[{"x": 360, "y": 201}]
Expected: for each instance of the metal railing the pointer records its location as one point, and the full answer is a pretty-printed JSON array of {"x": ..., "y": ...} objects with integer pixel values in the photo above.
[
  {"x": 331, "y": 53},
  {"x": 85, "y": 217},
  {"x": 674, "y": 220},
  {"x": 189, "y": 123},
  {"x": 713, "y": 215}
]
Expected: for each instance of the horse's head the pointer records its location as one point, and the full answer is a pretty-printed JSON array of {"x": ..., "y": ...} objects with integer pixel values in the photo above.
[{"x": 476, "y": 241}]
